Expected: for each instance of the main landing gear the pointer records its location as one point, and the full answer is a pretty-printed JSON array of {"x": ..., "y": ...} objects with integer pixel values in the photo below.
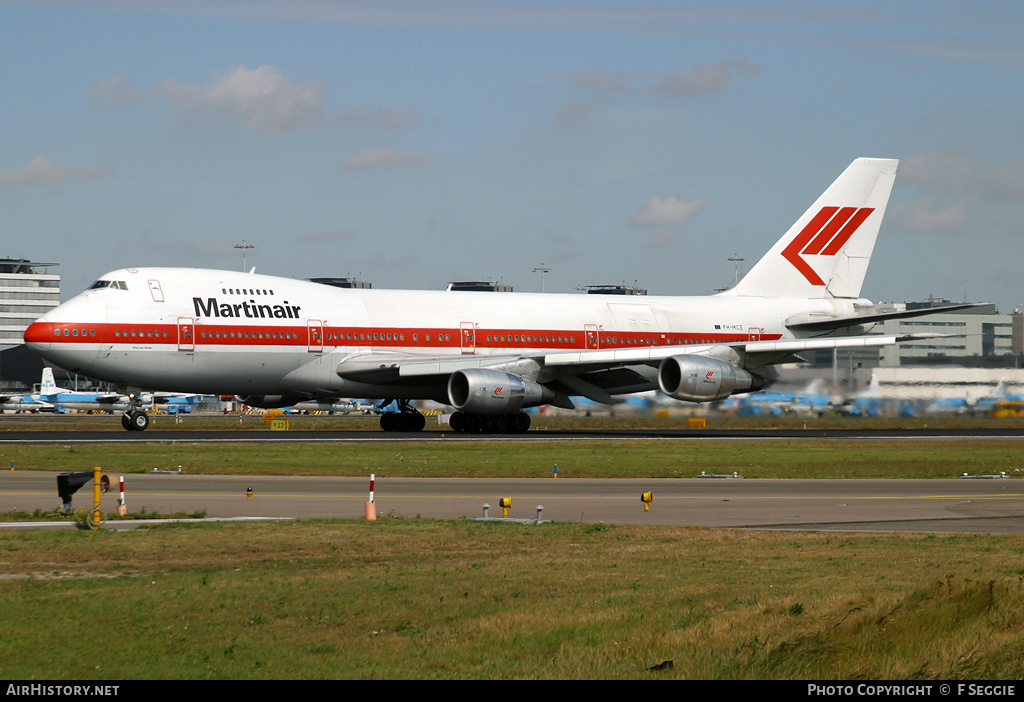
[
  {"x": 402, "y": 421},
  {"x": 405, "y": 419}
]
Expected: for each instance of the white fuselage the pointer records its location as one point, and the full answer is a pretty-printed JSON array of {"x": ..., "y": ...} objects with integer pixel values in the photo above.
[{"x": 220, "y": 332}]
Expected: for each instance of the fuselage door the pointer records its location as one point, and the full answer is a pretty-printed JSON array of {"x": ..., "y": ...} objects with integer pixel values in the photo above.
[
  {"x": 592, "y": 337},
  {"x": 156, "y": 291},
  {"x": 467, "y": 331},
  {"x": 186, "y": 333},
  {"x": 315, "y": 329},
  {"x": 754, "y": 333}
]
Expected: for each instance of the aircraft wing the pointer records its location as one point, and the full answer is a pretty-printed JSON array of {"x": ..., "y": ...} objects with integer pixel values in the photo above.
[
  {"x": 756, "y": 353},
  {"x": 165, "y": 397},
  {"x": 22, "y": 401},
  {"x": 110, "y": 398},
  {"x": 595, "y": 374},
  {"x": 388, "y": 368}
]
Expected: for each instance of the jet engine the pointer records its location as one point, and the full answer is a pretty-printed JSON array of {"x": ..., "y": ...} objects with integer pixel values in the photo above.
[
  {"x": 491, "y": 392},
  {"x": 702, "y": 379},
  {"x": 268, "y": 401}
]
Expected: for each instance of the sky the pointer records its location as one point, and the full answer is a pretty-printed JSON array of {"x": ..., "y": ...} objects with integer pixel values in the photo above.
[{"x": 412, "y": 143}]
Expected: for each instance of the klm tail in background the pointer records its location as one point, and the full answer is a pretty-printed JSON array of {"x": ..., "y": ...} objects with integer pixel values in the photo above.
[
  {"x": 827, "y": 251},
  {"x": 48, "y": 386}
]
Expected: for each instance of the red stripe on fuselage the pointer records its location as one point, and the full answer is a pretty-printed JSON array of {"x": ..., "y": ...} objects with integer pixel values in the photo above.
[{"x": 262, "y": 336}]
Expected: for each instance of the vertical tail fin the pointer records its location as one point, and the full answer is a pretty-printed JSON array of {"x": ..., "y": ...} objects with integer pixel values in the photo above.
[
  {"x": 47, "y": 386},
  {"x": 827, "y": 251}
]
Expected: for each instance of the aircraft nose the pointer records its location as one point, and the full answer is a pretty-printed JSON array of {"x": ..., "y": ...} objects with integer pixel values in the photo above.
[
  {"x": 39, "y": 335},
  {"x": 69, "y": 334}
]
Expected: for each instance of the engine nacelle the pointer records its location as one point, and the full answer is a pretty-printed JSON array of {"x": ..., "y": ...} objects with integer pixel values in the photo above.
[
  {"x": 491, "y": 392},
  {"x": 268, "y": 401},
  {"x": 702, "y": 379}
]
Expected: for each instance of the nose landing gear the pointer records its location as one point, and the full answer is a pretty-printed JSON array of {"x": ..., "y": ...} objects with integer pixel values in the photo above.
[{"x": 135, "y": 418}]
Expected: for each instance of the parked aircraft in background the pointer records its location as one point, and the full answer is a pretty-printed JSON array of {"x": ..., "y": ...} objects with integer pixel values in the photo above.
[
  {"x": 328, "y": 404},
  {"x": 869, "y": 402},
  {"x": 999, "y": 395},
  {"x": 948, "y": 405},
  {"x": 20, "y": 402},
  {"x": 277, "y": 341},
  {"x": 332, "y": 404},
  {"x": 812, "y": 400},
  {"x": 50, "y": 393},
  {"x": 967, "y": 405}
]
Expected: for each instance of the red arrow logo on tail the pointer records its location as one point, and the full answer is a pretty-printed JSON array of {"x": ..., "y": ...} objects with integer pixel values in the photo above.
[{"x": 825, "y": 235}]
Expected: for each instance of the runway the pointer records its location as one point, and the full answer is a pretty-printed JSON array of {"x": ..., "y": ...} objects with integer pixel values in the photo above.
[{"x": 993, "y": 506}]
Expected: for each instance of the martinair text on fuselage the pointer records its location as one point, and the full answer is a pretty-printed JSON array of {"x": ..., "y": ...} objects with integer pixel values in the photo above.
[{"x": 250, "y": 309}]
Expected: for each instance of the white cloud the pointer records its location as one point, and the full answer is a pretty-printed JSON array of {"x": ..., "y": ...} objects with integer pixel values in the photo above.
[
  {"x": 387, "y": 158},
  {"x": 263, "y": 99},
  {"x": 116, "y": 92},
  {"x": 42, "y": 172},
  {"x": 598, "y": 80},
  {"x": 928, "y": 216},
  {"x": 705, "y": 79},
  {"x": 664, "y": 211},
  {"x": 574, "y": 112},
  {"x": 597, "y": 86},
  {"x": 947, "y": 171}
]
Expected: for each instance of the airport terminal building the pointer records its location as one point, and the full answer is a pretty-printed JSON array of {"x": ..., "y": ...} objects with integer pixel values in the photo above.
[
  {"x": 27, "y": 291},
  {"x": 981, "y": 337}
]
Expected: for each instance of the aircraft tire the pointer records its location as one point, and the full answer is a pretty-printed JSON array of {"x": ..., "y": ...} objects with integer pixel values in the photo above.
[
  {"x": 126, "y": 422},
  {"x": 520, "y": 423},
  {"x": 139, "y": 420},
  {"x": 457, "y": 421},
  {"x": 402, "y": 421},
  {"x": 473, "y": 423}
]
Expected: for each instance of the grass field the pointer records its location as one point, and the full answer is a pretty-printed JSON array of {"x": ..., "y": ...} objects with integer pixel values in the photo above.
[
  {"x": 421, "y": 599},
  {"x": 456, "y": 599},
  {"x": 782, "y": 458}
]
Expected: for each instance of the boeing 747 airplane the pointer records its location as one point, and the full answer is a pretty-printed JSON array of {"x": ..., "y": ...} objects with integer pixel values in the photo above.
[{"x": 274, "y": 342}]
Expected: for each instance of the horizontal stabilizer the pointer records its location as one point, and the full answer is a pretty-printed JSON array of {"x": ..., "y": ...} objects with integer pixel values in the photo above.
[{"x": 856, "y": 320}]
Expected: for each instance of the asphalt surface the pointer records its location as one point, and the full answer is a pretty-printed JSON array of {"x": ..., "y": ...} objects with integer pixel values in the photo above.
[{"x": 935, "y": 506}]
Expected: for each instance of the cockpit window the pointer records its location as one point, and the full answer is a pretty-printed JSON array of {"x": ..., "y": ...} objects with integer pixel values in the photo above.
[{"x": 115, "y": 284}]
